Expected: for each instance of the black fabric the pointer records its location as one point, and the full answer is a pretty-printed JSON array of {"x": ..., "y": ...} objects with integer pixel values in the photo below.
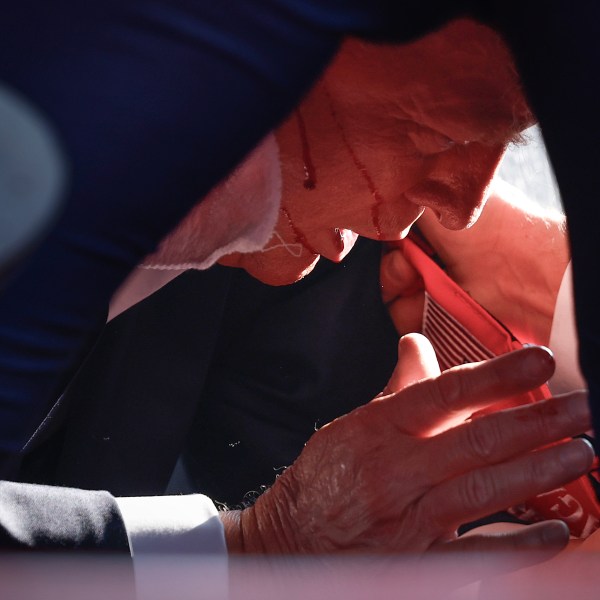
[
  {"x": 121, "y": 422},
  {"x": 289, "y": 360},
  {"x": 558, "y": 54},
  {"x": 261, "y": 366}
]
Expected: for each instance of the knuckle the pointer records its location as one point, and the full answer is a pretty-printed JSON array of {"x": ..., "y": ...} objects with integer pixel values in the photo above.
[
  {"x": 477, "y": 490},
  {"x": 483, "y": 439},
  {"x": 448, "y": 389},
  {"x": 463, "y": 386},
  {"x": 544, "y": 423},
  {"x": 539, "y": 469}
]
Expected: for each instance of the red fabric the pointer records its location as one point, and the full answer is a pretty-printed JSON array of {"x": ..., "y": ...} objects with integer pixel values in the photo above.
[{"x": 575, "y": 503}]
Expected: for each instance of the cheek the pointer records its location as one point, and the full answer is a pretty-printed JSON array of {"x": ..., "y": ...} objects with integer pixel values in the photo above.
[
  {"x": 383, "y": 211},
  {"x": 470, "y": 167},
  {"x": 394, "y": 219},
  {"x": 385, "y": 217}
]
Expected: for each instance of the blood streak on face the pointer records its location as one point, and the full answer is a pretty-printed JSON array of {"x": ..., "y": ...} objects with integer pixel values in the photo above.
[{"x": 386, "y": 132}]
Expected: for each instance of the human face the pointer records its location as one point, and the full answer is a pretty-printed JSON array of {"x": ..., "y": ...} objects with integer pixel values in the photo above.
[{"x": 388, "y": 131}]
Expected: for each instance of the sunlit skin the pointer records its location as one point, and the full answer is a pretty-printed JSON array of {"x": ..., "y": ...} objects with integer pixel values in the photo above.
[
  {"x": 523, "y": 246},
  {"x": 388, "y": 131},
  {"x": 398, "y": 475}
]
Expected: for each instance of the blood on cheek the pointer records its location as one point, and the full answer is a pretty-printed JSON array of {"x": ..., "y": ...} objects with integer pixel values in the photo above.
[
  {"x": 310, "y": 183},
  {"x": 310, "y": 174},
  {"x": 362, "y": 169},
  {"x": 299, "y": 237}
]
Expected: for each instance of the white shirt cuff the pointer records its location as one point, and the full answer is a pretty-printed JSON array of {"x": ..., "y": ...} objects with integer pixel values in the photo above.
[{"x": 159, "y": 527}]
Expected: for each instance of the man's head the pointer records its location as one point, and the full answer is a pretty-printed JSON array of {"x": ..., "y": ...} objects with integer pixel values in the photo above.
[{"x": 387, "y": 131}]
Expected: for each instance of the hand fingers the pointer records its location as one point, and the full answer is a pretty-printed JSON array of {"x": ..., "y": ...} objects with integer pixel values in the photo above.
[
  {"x": 402, "y": 291},
  {"x": 416, "y": 361},
  {"x": 483, "y": 491},
  {"x": 492, "y": 554},
  {"x": 499, "y": 436},
  {"x": 511, "y": 537},
  {"x": 398, "y": 277},
  {"x": 426, "y": 408},
  {"x": 406, "y": 313}
]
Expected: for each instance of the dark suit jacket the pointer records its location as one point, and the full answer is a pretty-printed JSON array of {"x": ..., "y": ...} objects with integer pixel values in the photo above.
[
  {"x": 234, "y": 374},
  {"x": 217, "y": 367},
  {"x": 42, "y": 518}
]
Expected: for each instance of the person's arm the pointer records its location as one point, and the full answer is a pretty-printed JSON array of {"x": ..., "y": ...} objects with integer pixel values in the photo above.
[
  {"x": 44, "y": 518},
  {"x": 394, "y": 475},
  {"x": 563, "y": 341},
  {"x": 408, "y": 459},
  {"x": 38, "y": 517},
  {"x": 389, "y": 477}
]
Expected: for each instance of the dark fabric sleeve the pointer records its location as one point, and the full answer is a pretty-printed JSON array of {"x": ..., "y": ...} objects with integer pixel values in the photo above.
[{"x": 37, "y": 517}]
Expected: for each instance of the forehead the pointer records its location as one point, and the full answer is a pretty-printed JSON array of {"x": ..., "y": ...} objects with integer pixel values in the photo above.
[{"x": 460, "y": 81}]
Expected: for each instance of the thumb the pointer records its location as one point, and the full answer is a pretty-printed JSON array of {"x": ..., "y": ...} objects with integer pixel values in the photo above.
[{"x": 416, "y": 361}]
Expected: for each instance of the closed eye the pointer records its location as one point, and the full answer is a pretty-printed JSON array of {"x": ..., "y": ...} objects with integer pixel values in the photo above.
[{"x": 427, "y": 141}]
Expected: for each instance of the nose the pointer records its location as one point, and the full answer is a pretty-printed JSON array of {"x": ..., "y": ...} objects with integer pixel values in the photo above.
[{"x": 457, "y": 185}]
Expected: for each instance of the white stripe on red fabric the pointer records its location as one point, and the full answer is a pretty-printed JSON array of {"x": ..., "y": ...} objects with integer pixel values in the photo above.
[{"x": 453, "y": 344}]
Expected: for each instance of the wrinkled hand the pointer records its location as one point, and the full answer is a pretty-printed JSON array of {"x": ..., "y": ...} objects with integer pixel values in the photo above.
[
  {"x": 395, "y": 475},
  {"x": 511, "y": 261}
]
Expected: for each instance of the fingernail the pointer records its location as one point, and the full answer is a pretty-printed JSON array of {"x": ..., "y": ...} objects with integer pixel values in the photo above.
[
  {"x": 576, "y": 455},
  {"x": 539, "y": 346},
  {"x": 555, "y": 533},
  {"x": 539, "y": 363}
]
